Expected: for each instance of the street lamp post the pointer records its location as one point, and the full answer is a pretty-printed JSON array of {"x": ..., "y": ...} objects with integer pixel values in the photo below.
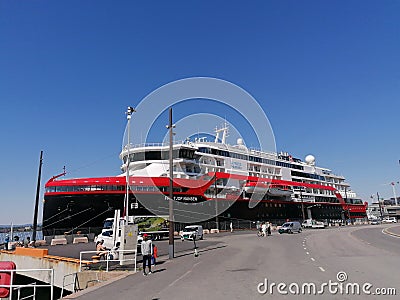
[
  {"x": 346, "y": 201},
  {"x": 394, "y": 192},
  {"x": 170, "y": 126},
  {"x": 216, "y": 203},
  {"x": 129, "y": 113},
  {"x": 302, "y": 204},
  {"x": 380, "y": 205}
]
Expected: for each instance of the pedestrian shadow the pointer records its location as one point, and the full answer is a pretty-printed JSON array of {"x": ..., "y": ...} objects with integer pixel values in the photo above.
[
  {"x": 159, "y": 262},
  {"x": 158, "y": 270},
  {"x": 201, "y": 251},
  {"x": 213, "y": 248}
]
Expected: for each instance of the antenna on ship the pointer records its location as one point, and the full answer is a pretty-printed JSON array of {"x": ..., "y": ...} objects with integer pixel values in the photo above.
[{"x": 224, "y": 131}]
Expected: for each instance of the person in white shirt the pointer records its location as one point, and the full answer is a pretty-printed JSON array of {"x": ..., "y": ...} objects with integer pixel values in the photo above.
[
  {"x": 264, "y": 229},
  {"x": 147, "y": 252}
]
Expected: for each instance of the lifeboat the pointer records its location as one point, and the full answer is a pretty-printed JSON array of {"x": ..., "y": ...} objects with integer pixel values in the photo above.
[{"x": 276, "y": 190}]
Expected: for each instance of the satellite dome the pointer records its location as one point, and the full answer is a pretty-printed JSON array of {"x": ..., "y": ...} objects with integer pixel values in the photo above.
[
  {"x": 310, "y": 159},
  {"x": 240, "y": 144}
]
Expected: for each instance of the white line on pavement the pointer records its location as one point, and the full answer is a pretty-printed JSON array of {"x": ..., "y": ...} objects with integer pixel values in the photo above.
[
  {"x": 322, "y": 269},
  {"x": 387, "y": 232},
  {"x": 181, "y": 277},
  {"x": 312, "y": 258}
]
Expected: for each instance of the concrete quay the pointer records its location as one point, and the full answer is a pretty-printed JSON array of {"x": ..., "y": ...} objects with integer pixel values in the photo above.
[
  {"x": 64, "y": 265},
  {"x": 63, "y": 258},
  {"x": 241, "y": 265}
]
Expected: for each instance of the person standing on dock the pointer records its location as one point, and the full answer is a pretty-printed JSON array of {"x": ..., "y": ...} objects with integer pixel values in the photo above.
[
  {"x": 27, "y": 241},
  {"x": 147, "y": 252},
  {"x": 6, "y": 241}
]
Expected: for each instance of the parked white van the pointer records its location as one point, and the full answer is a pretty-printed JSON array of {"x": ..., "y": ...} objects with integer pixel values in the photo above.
[
  {"x": 190, "y": 231},
  {"x": 290, "y": 227}
]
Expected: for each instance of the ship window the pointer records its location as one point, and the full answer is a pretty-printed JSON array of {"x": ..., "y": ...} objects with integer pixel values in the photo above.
[
  {"x": 187, "y": 153},
  {"x": 51, "y": 189},
  {"x": 153, "y": 155},
  {"x": 205, "y": 150},
  {"x": 138, "y": 156}
]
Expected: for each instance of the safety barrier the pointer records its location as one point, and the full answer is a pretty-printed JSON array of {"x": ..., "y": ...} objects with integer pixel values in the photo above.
[
  {"x": 75, "y": 283},
  {"x": 96, "y": 259},
  {"x": 82, "y": 239},
  {"x": 58, "y": 241},
  {"x": 34, "y": 286}
]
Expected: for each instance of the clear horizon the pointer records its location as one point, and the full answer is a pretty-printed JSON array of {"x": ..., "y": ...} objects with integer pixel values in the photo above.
[{"x": 326, "y": 74}]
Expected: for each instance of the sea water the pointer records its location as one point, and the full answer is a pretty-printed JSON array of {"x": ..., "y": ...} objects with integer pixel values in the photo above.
[{"x": 21, "y": 234}]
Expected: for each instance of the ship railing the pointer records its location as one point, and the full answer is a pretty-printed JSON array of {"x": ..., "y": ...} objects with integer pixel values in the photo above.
[
  {"x": 18, "y": 288},
  {"x": 212, "y": 195},
  {"x": 143, "y": 145},
  {"x": 124, "y": 258},
  {"x": 254, "y": 150}
]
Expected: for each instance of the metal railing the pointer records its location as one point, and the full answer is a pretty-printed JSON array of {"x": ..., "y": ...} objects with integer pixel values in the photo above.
[
  {"x": 75, "y": 283},
  {"x": 33, "y": 296},
  {"x": 19, "y": 287},
  {"x": 107, "y": 259}
]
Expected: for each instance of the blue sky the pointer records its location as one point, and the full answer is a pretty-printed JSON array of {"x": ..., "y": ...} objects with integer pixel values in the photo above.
[{"x": 327, "y": 74}]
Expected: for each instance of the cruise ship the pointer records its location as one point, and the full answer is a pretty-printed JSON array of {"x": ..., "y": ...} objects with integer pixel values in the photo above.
[{"x": 209, "y": 178}]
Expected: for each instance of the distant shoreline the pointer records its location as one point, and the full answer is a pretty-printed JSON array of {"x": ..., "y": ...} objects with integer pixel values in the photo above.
[{"x": 19, "y": 228}]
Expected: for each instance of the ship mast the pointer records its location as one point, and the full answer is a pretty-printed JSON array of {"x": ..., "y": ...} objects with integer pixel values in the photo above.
[
  {"x": 35, "y": 214},
  {"x": 224, "y": 131}
]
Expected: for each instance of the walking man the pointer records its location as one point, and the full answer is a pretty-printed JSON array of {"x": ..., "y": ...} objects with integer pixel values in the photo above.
[
  {"x": 269, "y": 228},
  {"x": 231, "y": 226},
  {"x": 147, "y": 252},
  {"x": 264, "y": 229}
]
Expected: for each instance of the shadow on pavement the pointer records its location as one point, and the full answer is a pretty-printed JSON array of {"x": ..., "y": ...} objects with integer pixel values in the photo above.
[
  {"x": 201, "y": 251},
  {"x": 158, "y": 270}
]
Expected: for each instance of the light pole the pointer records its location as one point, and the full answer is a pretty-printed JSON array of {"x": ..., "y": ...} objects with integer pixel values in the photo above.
[
  {"x": 394, "y": 192},
  {"x": 216, "y": 202},
  {"x": 129, "y": 113},
  {"x": 170, "y": 126},
  {"x": 302, "y": 204}
]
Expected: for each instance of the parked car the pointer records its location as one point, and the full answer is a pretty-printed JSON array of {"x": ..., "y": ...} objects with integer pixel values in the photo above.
[
  {"x": 389, "y": 220},
  {"x": 290, "y": 227},
  {"x": 375, "y": 222},
  {"x": 310, "y": 223}
]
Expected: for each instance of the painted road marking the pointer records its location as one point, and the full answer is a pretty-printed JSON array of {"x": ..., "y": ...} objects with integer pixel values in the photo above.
[
  {"x": 308, "y": 253},
  {"x": 387, "y": 232},
  {"x": 312, "y": 258},
  {"x": 322, "y": 269},
  {"x": 184, "y": 275}
]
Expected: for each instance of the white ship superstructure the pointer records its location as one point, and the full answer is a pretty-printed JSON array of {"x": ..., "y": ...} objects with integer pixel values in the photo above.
[{"x": 192, "y": 159}]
